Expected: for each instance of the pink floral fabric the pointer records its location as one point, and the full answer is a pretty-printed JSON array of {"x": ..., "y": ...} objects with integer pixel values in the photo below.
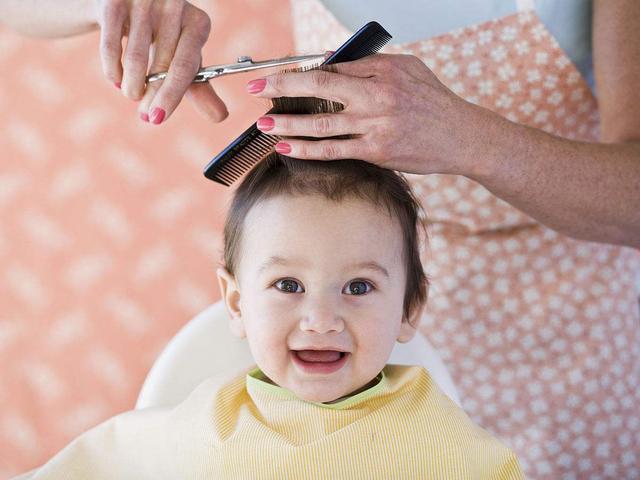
[{"x": 541, "y": 332}]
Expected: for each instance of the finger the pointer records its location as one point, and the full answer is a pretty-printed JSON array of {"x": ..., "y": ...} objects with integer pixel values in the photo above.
[
  {"x": 323, "y": 149},
  {"x": 365, "y": 67},
  {"x": 184, "y": 66},
  {"x": 166, "y": 34},
  {"x": 207, "y": 102},
  {"x": 111, "y": 27},
  {"x": 136, "y": 55},
  {"x": 315, "y": 83},
  {"x": 318, "y": 125}
]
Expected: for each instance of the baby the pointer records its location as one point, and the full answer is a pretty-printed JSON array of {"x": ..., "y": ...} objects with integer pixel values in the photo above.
[{"x": 322, "y": 274}]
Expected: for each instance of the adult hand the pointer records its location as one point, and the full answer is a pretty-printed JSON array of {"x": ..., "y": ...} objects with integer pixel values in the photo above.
[
  {"x": 163, "y": 35},
  {"x": 399, "y": 114}
]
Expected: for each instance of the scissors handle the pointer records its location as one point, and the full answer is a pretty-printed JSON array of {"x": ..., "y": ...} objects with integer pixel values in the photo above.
[{"x": 244, "y": 64}]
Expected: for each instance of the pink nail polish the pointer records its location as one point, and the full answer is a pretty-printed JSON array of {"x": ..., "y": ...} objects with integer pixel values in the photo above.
[
  {"x": 144, "y": 117},
  {"x": 157, "y": 115},
  {"x": 266, "y": 123},
  {"x": 256, "y": 86},
  {"x": 282, "y": 147},
  {"x": 117, "y": 84}
]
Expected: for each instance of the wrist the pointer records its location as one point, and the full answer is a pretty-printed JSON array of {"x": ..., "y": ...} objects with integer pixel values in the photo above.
[
  {"x": 91, "y": 11},
  {"x": 77, "y": 17},
  {"x": 85, "y": 17},
  {"x": 491, "y": 143}
]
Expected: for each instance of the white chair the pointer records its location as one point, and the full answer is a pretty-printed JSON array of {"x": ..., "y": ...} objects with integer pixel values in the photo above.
[{"x": 205, "y": 347}]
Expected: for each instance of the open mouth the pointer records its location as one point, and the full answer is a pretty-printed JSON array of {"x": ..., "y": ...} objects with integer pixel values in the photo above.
[
  {"x": 318, "y": 356},
  {"x": 319, "y": 361}
]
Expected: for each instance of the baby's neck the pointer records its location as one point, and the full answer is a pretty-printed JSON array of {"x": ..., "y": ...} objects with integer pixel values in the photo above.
[{"x": 361, "y": 389}]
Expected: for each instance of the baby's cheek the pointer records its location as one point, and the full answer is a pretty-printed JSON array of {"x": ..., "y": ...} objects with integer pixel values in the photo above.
[
  {"x": 269, "y": 300},
  {"x": 269, "y": 350},
  {"x": 376, "y": 334},
  {"x": 274, "y": 308},
  {"x": 281, "y": 314}
]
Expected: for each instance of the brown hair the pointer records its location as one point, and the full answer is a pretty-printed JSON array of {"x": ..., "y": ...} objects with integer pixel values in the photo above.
[{"x": 278, "y": 175}]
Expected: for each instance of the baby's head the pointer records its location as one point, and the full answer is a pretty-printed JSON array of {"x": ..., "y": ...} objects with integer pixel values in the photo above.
[{"x": 323, "y": 255}]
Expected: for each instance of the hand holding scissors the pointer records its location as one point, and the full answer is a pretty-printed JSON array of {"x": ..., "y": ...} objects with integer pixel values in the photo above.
[
  {"x": 244, "y": 64},
  {"x": 174, "y": 32}
]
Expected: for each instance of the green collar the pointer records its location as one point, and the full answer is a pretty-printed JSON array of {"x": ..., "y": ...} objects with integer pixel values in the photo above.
[{"x": 257, "y": 379}]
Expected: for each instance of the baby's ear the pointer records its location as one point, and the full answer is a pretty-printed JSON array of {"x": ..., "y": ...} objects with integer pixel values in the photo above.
[
  {"x": 409, "y": 326},
  {"x": 231, "y": 297}
]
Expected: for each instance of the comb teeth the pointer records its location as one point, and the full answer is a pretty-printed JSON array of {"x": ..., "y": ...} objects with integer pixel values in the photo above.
[
  {"x": 253, "y": 145},
  {"x": 372, "y": 46},
  {"x": 242, "y": 157}
]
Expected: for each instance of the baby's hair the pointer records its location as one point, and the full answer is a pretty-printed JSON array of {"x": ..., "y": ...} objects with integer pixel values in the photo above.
[{"x": 278, "y": 175}]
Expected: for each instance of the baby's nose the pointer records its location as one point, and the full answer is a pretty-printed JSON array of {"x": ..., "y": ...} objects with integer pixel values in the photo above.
[{"x": 322, "y": 317}]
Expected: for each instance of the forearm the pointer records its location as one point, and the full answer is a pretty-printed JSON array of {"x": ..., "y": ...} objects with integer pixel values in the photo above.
[
  {"x": 589, "y": 191},
  {"x": 49, "y": 18}
]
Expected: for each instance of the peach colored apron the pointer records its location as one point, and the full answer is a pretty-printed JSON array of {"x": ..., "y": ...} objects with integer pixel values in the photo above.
[{"x": 541, "y": 332}]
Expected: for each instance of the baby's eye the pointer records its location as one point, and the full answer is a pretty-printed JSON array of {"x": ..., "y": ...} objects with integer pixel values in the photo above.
[
  {"x": 360, "y": 287},
  {"x": 288, "y": 285}
]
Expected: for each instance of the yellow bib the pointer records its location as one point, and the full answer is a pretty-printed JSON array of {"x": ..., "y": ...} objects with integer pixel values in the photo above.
[{"x": 243, "y": 427}]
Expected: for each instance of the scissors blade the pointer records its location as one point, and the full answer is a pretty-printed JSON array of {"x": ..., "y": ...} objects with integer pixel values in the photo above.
[{"x": 244, "y": 64}]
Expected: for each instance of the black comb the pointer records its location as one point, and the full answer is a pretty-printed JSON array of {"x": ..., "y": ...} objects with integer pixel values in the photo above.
[{"x": 253, "y": 145}]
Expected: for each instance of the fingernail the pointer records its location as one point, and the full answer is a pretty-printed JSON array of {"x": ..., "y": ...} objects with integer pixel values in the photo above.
[
  {"x": 256, "y": 86},
  {"x": 157, "y": 115},
  {"x": 266, "y": 123},
  {"x": 282, "y": 147},
  {"x": 144, "y": 116},
  {"x": 118, "y": 84}
]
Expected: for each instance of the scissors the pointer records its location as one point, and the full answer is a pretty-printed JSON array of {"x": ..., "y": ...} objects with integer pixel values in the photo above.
[{"x": 244, "y": 64}]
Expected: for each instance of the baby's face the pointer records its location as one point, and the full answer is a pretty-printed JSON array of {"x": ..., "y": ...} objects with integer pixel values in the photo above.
[{"x": 338, "y": 284}]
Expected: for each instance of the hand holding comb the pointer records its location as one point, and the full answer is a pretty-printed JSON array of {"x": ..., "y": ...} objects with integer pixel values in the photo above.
[{"x": 253, "y": 145}]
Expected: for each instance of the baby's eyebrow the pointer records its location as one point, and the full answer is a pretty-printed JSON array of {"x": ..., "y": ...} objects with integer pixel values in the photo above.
[
  {"x": 368, "y": 265},
  {"x": 371, "y": 265},
  {"x": 274, "y": 260}
]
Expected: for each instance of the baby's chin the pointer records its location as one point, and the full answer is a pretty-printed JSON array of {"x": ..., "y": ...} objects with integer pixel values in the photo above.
[{"x": 316, "y": 390}]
